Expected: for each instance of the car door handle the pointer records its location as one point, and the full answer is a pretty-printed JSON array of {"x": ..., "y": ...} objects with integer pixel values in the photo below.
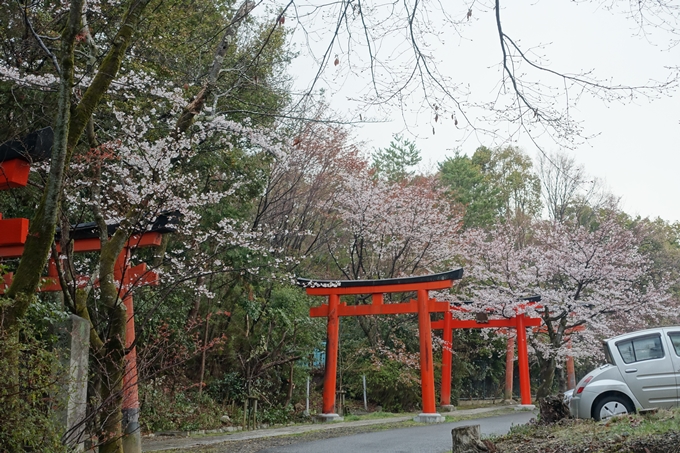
[{"x": 631, "y": 370}]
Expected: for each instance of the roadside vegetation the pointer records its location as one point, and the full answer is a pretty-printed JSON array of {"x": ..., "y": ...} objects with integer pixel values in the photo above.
[{"x": 652, "y": 433}]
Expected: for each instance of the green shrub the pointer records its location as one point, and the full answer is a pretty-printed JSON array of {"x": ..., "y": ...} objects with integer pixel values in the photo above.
[
  {"x": 390, "y": 384},
  {"x": 277, "y": 415},
  {"x": 163, "y": 410},
  {"x": 29, "y": 407},
  {"x": 230, "y": 388}
]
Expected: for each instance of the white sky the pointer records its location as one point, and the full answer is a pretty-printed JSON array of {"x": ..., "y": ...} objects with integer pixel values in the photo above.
[{"x": 635, "y": 147}]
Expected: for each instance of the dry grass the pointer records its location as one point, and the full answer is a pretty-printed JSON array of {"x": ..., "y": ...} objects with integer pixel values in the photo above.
[{"x": 654, "y": 433}]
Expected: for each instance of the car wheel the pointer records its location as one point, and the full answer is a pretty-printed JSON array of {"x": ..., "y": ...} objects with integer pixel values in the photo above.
[{"x": 610, "y": 406}]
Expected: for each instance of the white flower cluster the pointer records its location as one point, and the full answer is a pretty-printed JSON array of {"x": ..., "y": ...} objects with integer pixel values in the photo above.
[
  {"x": 318, "y": 284},
  {"x": 12, "y": 74}
]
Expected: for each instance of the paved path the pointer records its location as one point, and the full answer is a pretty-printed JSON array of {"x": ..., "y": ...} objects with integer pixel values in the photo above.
[
  {"x": 426, "y": 439},
  {"x": 177, "y": 443}
]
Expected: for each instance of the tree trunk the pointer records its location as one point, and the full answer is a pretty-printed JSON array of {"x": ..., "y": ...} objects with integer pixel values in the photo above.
[
  {"x": 44, "y": 222},
  {"x": 228, "y": 40},
  {"x": 204, "y": 353},
  {"x": 547, "y": 375},
  {"x": 21, "y": 292},
  {"x": 114, "y": 357},
  {"x": 466, "y": 440},
  {"x": 112, "y": 384},
  {"x": 193, "y": 313},
  {"x": 291, "y": 384}
]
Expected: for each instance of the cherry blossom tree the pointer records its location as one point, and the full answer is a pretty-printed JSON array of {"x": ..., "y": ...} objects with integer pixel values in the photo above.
[
  {"x": 392, "y": 229},
  {"x": 303, "y": 186},
  {"x": 389, "y": 230},
  {"x": 592, "y": 275}
]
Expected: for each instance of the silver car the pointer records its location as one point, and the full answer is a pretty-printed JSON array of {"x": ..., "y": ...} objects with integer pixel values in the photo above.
[{"x": 642, "y": 372}]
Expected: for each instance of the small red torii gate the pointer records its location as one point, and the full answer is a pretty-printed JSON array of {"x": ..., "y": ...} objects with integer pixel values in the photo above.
[
  {"x": 519, "y": 322},
  {"x": 422, "y": 305},
  {"x": 128, "y": 276}
]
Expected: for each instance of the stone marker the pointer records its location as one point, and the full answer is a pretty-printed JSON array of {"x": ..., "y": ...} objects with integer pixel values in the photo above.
[{"x": 74, "y": 339}]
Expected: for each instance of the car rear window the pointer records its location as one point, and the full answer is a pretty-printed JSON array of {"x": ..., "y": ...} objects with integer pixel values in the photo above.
[
  {"x": 641, "y": 348},
  {"x": 675, "y": 339}
]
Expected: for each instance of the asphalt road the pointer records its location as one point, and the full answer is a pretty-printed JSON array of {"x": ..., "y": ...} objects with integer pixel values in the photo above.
[{"x": 434, "y": 438}]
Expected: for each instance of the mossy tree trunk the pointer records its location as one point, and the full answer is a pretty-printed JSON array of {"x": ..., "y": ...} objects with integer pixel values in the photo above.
[
  {"x": 41, "y": 233},
  {"x": 44, "y": 223},
  {"x": 69, "y": 126}
]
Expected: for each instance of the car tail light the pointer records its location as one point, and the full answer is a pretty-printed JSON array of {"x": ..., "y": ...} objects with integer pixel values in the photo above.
[{"x": 583, "y": 384}]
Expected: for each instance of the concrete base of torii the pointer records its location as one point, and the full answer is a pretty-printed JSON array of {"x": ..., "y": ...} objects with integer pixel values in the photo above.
[
  {"x": 525, "y": 407},
  {"x": 325, "y": 418},
  {"x": 429, "y": 418}
]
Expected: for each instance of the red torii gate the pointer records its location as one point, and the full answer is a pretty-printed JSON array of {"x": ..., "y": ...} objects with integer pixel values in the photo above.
[
  {"x": 423, "y": 306},
  {"x": 518, "y": 322}
]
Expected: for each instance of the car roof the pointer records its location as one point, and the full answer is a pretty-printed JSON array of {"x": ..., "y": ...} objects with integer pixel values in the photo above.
[{"x": 641, "y": 332}]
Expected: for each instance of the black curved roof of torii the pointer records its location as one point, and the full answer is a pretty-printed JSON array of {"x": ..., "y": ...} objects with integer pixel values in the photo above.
[
  {"x": 34, "y": 147},
  {"x": 165, "y": 222},
  {"x": 455, "y": 274}
]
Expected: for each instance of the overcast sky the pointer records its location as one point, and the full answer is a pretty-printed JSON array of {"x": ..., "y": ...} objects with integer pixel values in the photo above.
[{"x": 634, "y": 147}]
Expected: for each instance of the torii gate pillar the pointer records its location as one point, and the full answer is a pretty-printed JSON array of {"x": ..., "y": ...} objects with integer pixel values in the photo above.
[
  {"x": 429, "y": 414},
  {"x": 523, "y": 363},
  {"x": 571, "y": 374},
  {"x": 447, "y": 359},
  {"x": 132, "y": 438},
  {"x": 331, "y": 372}
]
